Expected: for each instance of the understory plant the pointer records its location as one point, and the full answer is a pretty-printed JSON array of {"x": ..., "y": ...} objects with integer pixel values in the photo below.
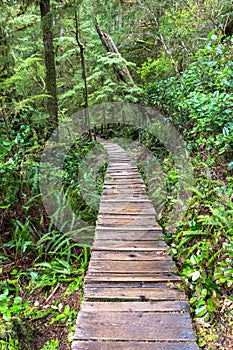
[
  {"x": 202, "y": 246},
  {"x": 199, "y": 103},
  {"x": 39, "y": 263}
]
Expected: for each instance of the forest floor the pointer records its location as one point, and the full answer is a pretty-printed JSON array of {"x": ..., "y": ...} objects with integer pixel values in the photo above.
[
  {"x": 56, "y": 309},
  {"x": 44, "y": 329},
  {"x": 218, "y": 334},
  {"x": 53, "y": 307},
  {"x": 46, "y": 318}
]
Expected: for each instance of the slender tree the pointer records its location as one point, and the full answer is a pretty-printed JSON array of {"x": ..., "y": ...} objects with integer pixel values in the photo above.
[
  {"x": 51, "y": 85},
  {"x": 84, "y": 74}
]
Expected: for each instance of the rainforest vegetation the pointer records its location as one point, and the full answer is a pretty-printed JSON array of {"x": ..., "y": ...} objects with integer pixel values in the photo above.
[{"x": 58, "y": 57}]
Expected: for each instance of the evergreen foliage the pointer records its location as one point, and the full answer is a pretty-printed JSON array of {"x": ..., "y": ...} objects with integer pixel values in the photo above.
[{"x": 179, "y": 54}]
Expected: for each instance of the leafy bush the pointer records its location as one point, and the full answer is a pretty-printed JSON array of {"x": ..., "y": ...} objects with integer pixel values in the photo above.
[
  {"x": 203, "y": 245},
  {"x": 34, "y": 256},
  {"x": 200, "y": 101}
]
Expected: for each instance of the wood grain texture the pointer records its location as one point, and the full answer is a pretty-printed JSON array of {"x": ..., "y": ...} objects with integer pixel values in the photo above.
[
  {"x": 111, "y": 345},
  {"x": 127, "y": 207},
  {"x": 160, "y": 254},
  {"x": 132, "y": 244},
  {"x": 138, "y": 294},
  {"x": 150, "y": 306},
  {"x": 130, "y": 267},
  {"x": 133, "y": 277},
  {"x": 134, "y": 326},
  {"x": 128, "y": 235},
  {"x": 144, "y": 228},
  {"x": 132, "y": 295}
]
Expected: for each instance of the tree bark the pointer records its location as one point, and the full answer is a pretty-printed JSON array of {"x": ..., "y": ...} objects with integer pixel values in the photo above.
[
  {"x": 51, "y": 85},
  {"x": 84, "y": 74},
  {"x": 122, "y": 73}
]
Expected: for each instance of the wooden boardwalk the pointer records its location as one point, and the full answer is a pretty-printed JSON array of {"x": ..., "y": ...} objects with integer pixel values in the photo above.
[{"x": 131, "y": 296}]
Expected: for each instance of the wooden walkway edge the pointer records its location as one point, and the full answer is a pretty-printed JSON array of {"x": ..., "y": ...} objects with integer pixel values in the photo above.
[{"x": 132, "y": 298}]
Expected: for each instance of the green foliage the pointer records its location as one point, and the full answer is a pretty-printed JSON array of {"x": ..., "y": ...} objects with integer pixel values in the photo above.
[
  {"x": 15, "y": 335},
  {"x": 156, "y": 69},
  {"x": 51, "y": 345},
  {"x": 203, "y": 246},
  {"x": 200, "y": 102},
  {"x": 52, "y": 259},
  {"x": 156, "y": 40},
  {"x": 12, "y": 344},
  {"x": 9, "y": 307},
  {"x": 109, "y": 88}
]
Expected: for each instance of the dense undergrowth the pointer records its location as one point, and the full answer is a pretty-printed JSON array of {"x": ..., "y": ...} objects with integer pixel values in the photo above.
[
  {"x": 41, "y": 268},
  {"x": 199, "y": 103},
  {"x": 202, "y": 241}
]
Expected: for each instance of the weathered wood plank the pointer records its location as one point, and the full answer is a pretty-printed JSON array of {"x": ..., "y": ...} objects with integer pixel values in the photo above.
[
  {"x": 121, "y": 167},
  {"x": 126, "y": 191},
  {"x": 134, "y": 326},
  {"x": 126, "y": 235},
  {"x": 126, "y": 208},
  {"x": 112, "y": 195},
  {"x": 138, "y": 294},
  {"x": 111, "y": 345},
  {"x": 106, "y": 201},
  {"x": 129, "y": 255},
  {"x": 143, "y": 284},
  {"x": 125, "y": 188},
  {"x": 116, "y": 164},
  {"x": 136, "y": 277},
  {"x": 129, "y": 223},
  {"x": 112, "y": 220},
  {"x": 124, "y": 184},
  {"x": 132, "y": 300},
  {"x": 127, "y": 249},
  {"x": 124, "y": 216},
  {"x": 122, "y": 180},
  {"x": 122, "y": 175},
  {"x": 131, "y": 266},
  {"x": 120, "y": 196},
  {"x": 130, "y": 306},
  {"x": 131, "y": 244},
  {"x": 135, "y": 202},
  {"x": 143, "y": 228},
  {"x": 122, "y": 172},
  {"x": 132, "y": 211}
]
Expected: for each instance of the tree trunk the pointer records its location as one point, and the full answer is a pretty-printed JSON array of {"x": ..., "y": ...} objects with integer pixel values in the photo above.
[
  {"x": 122, "y": 73},
  {"x": 61, "y": 51},
  {"x": 6, "y": 59},
  {"x": 51, "y": 85},
  {"x": 84, "y": 74}
]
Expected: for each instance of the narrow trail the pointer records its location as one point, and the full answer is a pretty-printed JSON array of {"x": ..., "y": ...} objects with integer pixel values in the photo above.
[{"x": 132, "y": 300}]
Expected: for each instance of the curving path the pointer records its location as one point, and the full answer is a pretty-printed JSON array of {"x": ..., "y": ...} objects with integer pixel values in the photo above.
[{"x": 132, "y": 300}]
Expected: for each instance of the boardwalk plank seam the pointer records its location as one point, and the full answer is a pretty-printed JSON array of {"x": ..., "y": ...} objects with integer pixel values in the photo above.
[{"x": 131, "y": 297}]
